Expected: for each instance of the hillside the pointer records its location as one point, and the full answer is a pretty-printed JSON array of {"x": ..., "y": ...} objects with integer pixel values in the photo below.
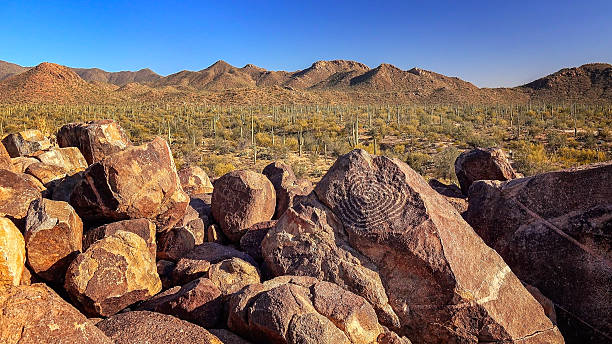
[
  {"x": 143, "y": 76},
  {"x": 8, "y": 69}
]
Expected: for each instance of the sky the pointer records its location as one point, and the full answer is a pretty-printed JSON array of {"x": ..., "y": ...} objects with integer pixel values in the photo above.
[{"x": 489, "y": 43}]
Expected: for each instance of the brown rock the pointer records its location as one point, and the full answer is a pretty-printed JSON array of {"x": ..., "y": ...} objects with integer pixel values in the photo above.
[
  {"x": 142, "y": 227},
  {"x": 12, "y": 253},
  {"x": 16, "y": 193},
  {"x": 181, "y": 239},
  {"x": 34, "y": 182},
  {"x": 138, "y": 182},
  {"x": 53, "y": 238},
  {"x": 197, "y": 301},
  {"x": 21, "y": 163},
  {"x": 25, "y": 143},
  {"x": 194, "y": 180},
  {"x": 62, "y": 189},
  {"x": 215, "y": 234},
  {"x": 451, "y": 193},
  {"x": 286, "y": 185},
  {"x": 164, "y": 270},
  {"x": 482, "y": 164},
  {"x": 112, "y": 274},
  {"x": 228, "y": 337},
  {"x": 36, "y": 314},
  {"x": 46, "y": 173},
  {"x": 241, "y": 199},
  {"x": 69, "y": 158},
  {"x": 252, "y": 239},
  {"x": 5, "y": 159},
  {"x": 553, "y": 230},
  {"x": 154, "y": 328},
  {"x": 547, "y": 305},
  {"x": 441, "y": 281},
  {"x": 95, "y": 139},
  {"x": 231, "y": 275}
]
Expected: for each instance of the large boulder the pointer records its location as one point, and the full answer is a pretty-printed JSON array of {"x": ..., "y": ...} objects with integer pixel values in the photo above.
[
  {"x": 36, "y": 314},
  {"x": 25, "y": 143},
  {"x": 231, "y": 275},
  {"x": 194, "y": 180},
  {"x": 297, "y": 309},
  {"x": 46, "y": 173},
  {"x": 154, "y": 328},
  {"x": 286, "y": 185},
  {"x": 5, "y": 159},
  {"x": 241, "y": 199},
  {"x": 12, "y": 253},
  {"x": 95, "y": 139},
  {"x": 252, "y": 239},
  {"x": 69, "y": 158},
  {"x": 138, "y": 182},
  {"x": 482, "y": 164},
  {"x": 384, "y": 234},
  {"x": 553, "y": 230},
  {"x": 142, "y": 227},
  {"x": 16, "y": 194},
  {"x": 189, "y": 232},
  {"x": 53, "y": 237},
  {"x": 112, "y": 274},
  {"x": 21, "y": 163}
]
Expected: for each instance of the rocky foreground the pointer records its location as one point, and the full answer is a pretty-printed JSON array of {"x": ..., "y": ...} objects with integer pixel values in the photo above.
[{"x": 103, "y": 241}]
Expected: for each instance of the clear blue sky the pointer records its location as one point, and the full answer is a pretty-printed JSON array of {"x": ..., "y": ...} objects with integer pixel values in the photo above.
[{"x": 490, "y": 43}]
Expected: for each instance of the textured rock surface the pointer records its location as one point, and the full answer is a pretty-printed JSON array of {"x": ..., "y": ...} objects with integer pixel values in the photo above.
[
  {"x": 5, "y": 159},
  {"x": 36, "y": 314},
  {"x": 12, "y": 253},
  {"x": 112, "y": 274},
  {"x": 286, "y": 185},
  {"x": 194, "y": 180},
  {"x": 252, "y": 239},
  {"x": 383, "y": 221},
  {"x": 25, "y": 143},
  {"x": 154, "y": 328},
  {"x": 21, "y": 163},
  {"x": 95, "y": 139},
  {"x": 231, "y": 275},
  {"x": 46, "y": 173},
  {"x": 138, "y": 182},
  {"x": 553, "y": 230},
  {"x": 228, "y": 337},
  {"x": 16, "y": 194},
  {"x": 142, "y": 227},
  {"x": 241, "y": 199},
  {"x": 69, "y": 158},
  {"x": 188, "y": 233},
  {"x": 62, "y": 189},
  {"x": 451, "y": 193},
  {"x": 53, "y": 237},
  {"x": 482, "y": 164}
]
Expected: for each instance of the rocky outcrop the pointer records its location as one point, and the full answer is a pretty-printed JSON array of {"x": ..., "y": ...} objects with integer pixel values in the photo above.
[
  {"x": 12, "y": 253},
  {"x": 95, "y": 139},
  {"x": 153, "y": 328},
  {"x": 69, "y": 158},
  {"x": 112, "y": 274},
  {"x": 286, "y": 185},
  {"x": 194, "y": 180},
  {"x": 25, "y": 143},
  {"x": 141, "y": 227},
  {"x": 384, "y": 234},
  {"x": 482, "y": 164},
  {"x": 138, "y": 182},
  {"x": 36, "y": 314},
  {"x": 241, "y": 199},
  {"x": 16, "y": 194},
  {"x": 553, "y": 230},
  {"x": 53, "y": 238}
]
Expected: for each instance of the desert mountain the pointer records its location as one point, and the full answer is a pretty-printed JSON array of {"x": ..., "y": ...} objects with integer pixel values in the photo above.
[
  {"x": 8, "y": 69},
  {"x": 143, "y": 76}
]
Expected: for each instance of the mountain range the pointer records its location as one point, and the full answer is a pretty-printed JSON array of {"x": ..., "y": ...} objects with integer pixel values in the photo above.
[{"x": 324, "y": 81}]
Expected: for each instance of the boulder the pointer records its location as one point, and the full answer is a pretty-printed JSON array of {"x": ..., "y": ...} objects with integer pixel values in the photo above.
[
  {"x": 141, "y": 227},
  {"x": 384, "y": 234},
  {"x": 553, "y": 230},
  {"x": 228, "y": 337},
  {"x": 95, "y": 139},
  {"x": 286, "y": 185},
  {"x": 16, "y": 194},
  {"x": 112, "y": 274},
  {"x": 138, "y": 182},
  {"x": 164, "y": 270},
  {"x": 61, "y": 189},
  {"x": 231, "y": 275},
  {"x": 5, "y": 159},
  {"x": 25, "y": 143},
  {"x": 53, "y": 238},
  {"x": 197, "y": 301},
  {"x": 294, "y": 309},
  {"x": 46, "y": 173},
  {"x": 21, "y": 163},
  {"x": 241, "y": 199},
  {"x": 36, "y": 314},
  {"x": 69, "y": 158},
  {"x": 194, "y": 180},
  {"x": 12, "y": 253},
  {"x": 34, "y": 182},
  {"x": 482, "y": 164},
  {"x": 153, "y": 328},
  {"x": 252, "y": 239},
  {"x": 452, "y": 193},
  {"x": 188, "y": 233}
]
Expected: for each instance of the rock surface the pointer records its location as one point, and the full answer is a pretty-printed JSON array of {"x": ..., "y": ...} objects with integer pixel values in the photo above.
[
  {"x": 231, "y": 275},
  {"x": 112, "y": 274},
  {"x": 12, "y": 253},
  {"x": 141, "y": 227},
  {"x": 138, "y": 182},
  {"x": 482, "y": 164},
  {"x": 95, "y": 139},
  {"x": 5, "y": 159},
  {"x": 252, "y": 239},
  {"x": 553, "y": 230},
  {"x": 154, "y": 328},
  {"x": 241, "y": 199},
  {"x": 21, "y": 163},
  {"x": 194, "y": 180},
  {"x": 36, "y": 314},
  {"x": 16, "y": 194},
  {"x": 188, "y": 233},
  {"x": 53, "y": 237},
  {"x": 46, "y": 173},
  {"x": 25, "y": 143},
  {"x": 384, "y": 234},
  {"x": 69, "y": 158},
  {"x": 286, "y": 185},
  {"x": 452, "y": 193}
]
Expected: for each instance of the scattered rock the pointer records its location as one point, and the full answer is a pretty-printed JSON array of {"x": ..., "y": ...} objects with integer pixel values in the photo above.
[
  {"x": 252, "y": 239},
  {"x": 142, "y": 227},
  {"x": 12, "y": 253},
  {"x": 482, "y": 164},
  {"x": 154, "y": 328},
  {"x": 231, "y": 275},
  {"x": 95, "y": 139},
  {"x": 112, "y": 274},
  {"x": 194, "y": 180},
  {"x": 53, "y": 238},
  {"x": 553, "y": 230},
  {"x": 69, "y": 158},
  {"x": 25, "y": 143},
  {"x": 241, "y": 199},
  {"x": 46, "y": 173},
  {"x": 16, "y": 194},
  {"x": 36, "y": 314},
  {"x": 138, "y": 182},
  {"x": 286, "y": 185}
]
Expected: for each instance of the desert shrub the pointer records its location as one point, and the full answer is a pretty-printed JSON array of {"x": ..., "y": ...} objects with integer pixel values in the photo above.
[
  {"x": 444, "y": 164},
  {"x": 417, "y": 161},
  {"x": 530, "y": 158}
]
